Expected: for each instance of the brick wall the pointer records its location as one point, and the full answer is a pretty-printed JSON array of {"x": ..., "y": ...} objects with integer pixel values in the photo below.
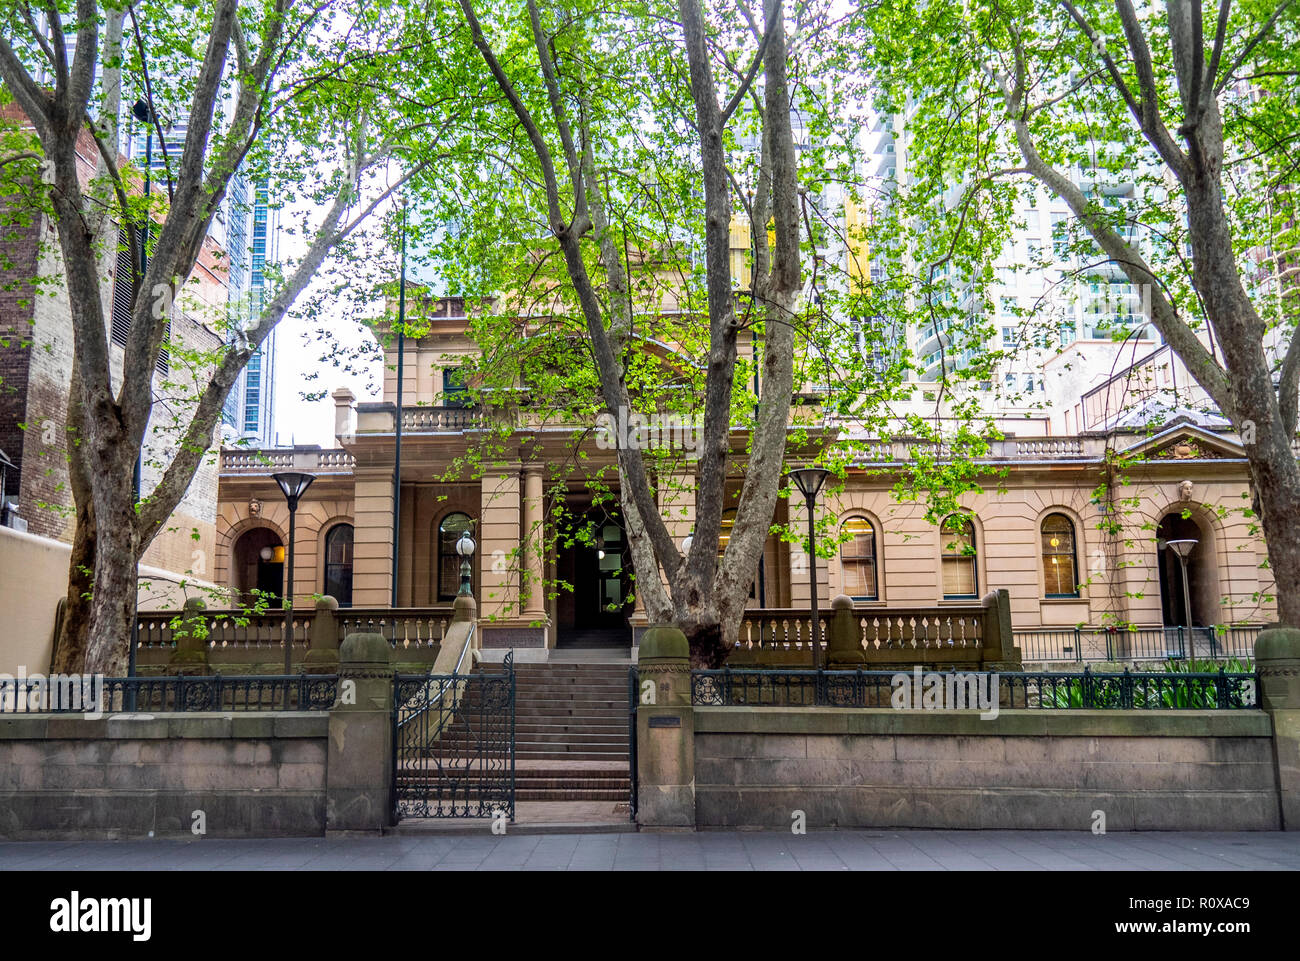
[
  {"x": 36, "y": 357},
  {"x": 17, "y": 268}
]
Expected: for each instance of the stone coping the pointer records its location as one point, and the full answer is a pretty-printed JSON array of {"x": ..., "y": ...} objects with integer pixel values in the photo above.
[
  {"x": 1009, "y": 722},
  {"x": 191, "y": 724}
]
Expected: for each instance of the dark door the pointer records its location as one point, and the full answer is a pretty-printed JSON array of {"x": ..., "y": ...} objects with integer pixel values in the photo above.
[
  {"x": 270, "y": 581},
  {"x": 601, "y": 580}
]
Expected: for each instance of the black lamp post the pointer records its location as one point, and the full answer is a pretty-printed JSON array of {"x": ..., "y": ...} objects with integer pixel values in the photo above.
[
  {"x": 465, "y": 548},
  {"x": 293, "y": 485},
  {"x": 809, "y": 480},
  {"x": 141, "y": 113}
]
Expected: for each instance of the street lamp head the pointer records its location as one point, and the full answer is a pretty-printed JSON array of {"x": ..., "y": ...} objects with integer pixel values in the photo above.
[
  {"x": 809, "y": 480},
  {"x": 687, "y": 541},
  {"x": 465, "y": 548},
  {"x": 293, "y": 485},
  {"x": 1182, "y": 548},
  {"x": 140, "y": 111}
]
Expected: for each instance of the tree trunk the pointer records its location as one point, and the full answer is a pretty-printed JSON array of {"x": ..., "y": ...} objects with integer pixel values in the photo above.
[
  {"x": 74, "y": 627},
  {"x": 1257, "y": 414},
  {"x": 112, "y": 605},
  {"x": 708, "y": 648},
  {"x": 1281, "y": 522},
  {"x": 74, "y": 630}
]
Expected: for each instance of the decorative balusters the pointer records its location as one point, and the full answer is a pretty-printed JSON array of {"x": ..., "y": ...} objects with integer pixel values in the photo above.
[
  {"x": 405, "y": 629},
  {"x": 785, "y": 635},
  {"x": 417, "y": 419},
  {"x": 269, "y": 461}
]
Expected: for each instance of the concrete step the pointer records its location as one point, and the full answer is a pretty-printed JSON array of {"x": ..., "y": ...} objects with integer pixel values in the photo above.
[
  {"x": 570, "y": 752},
  {"x": 545, "y": 737},
  {"x": 596, "y": 707}
]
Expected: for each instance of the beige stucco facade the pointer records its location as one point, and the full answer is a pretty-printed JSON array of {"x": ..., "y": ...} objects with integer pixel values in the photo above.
[{"x": 536, "y": 588}]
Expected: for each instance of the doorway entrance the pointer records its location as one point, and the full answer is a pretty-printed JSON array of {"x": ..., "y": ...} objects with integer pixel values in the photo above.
[
  {"x": 258, "y": 562},
  {"x": 598, "y": 565},
  {"x": 1202, "y": 586},
  {"x": 1204, "y": 593}
]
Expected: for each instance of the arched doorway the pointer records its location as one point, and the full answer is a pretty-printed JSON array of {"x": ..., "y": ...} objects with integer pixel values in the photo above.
[
  {"x": 1202, "y": 577},
  {"x": 257, "y": 563}
]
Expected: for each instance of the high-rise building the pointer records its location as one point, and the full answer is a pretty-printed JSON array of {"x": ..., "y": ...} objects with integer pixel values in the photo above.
[
  {"x": 257, "y": 382},
  {"x": 1065, "y": 318},
  {"x": 245, "y": 226}
]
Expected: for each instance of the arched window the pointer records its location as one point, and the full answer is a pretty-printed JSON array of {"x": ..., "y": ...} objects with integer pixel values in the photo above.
[
  {"x": 338, "y": 564},
  {"x": 449, "y": 531},
  {"x": 1060, "y": 570},
  {"x": 858, "y": 559},
  {"x": 960, "y": 571}
]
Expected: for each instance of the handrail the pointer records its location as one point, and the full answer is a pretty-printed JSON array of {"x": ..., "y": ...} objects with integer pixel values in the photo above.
[{"x": 469, "y": 642}]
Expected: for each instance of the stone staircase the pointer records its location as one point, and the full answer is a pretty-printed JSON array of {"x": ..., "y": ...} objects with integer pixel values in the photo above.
[{"x": 571, "y": 731}]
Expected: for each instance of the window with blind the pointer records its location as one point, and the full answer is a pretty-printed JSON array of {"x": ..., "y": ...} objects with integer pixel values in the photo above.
[
  {"x": 1060, "y": 569},
  {"x": 960, "y": 572},
  {"x": 858, "y": 559},
  {"x": 455, "y": 393},
  {"x": 125, "y": 288},
  {"x": 338, "y": 564}
]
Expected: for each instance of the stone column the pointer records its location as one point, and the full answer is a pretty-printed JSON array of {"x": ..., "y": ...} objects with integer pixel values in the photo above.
[
  {"x": 359, "y": 776},
  {"x": 844, "y": 638},
  {"x": 323, "y": 653},
  {"x": 1277, "y": 660},
  {"x": 534, "y": 544},
  {"x": 372, "y": 551},
  {"x": 498, "y": 538},
  {"x": 191, "y": 654},
  {"x": 345, "y": 415},
  {"x": 999, "y": 652},
  {"x": 665, "y": 731}
]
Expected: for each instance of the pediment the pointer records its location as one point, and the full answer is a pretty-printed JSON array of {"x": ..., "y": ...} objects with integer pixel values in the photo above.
[{"x": 1186, "y": 441}]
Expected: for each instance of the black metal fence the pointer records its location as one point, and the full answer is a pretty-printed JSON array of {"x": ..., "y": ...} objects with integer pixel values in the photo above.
[
  {"x": 633, "y": 699},
  {"x": 454, "y": 744},
  {"x": 91, "y": 694},
  {"x": 975, "y": 690},
  {"x": 1082, "y": 644}
]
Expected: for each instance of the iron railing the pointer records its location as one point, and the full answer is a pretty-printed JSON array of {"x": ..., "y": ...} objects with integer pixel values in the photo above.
[
  {"x": 1080, "y": 644},
  {"x": 454, "y": 744},
  {"x": 633, "y": 698},
  {"x": 74, "y": 694},
  {"x": 1086, "y": 690}
]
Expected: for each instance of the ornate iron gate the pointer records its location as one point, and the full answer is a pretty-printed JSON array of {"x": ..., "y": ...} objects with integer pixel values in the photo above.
[
  {"x": 633, "y": 698},
  {"x": 454, "y": 744}
]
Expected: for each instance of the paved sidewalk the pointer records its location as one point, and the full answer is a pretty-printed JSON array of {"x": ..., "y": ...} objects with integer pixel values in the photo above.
[{"x": 743, "y": 851}]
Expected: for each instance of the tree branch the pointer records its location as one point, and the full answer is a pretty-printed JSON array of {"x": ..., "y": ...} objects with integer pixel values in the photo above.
[
  {"x": 1251, "y": 45},
  {"x": 1288, "y": 388},
  {"x": 748, "y": 79}
]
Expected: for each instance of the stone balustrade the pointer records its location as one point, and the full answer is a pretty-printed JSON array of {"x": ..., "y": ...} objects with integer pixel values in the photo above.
[
  {"x": 271, "y": 460},
  {"x": 951, "y": 634},
  {"x": 197, "y": 640}
]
